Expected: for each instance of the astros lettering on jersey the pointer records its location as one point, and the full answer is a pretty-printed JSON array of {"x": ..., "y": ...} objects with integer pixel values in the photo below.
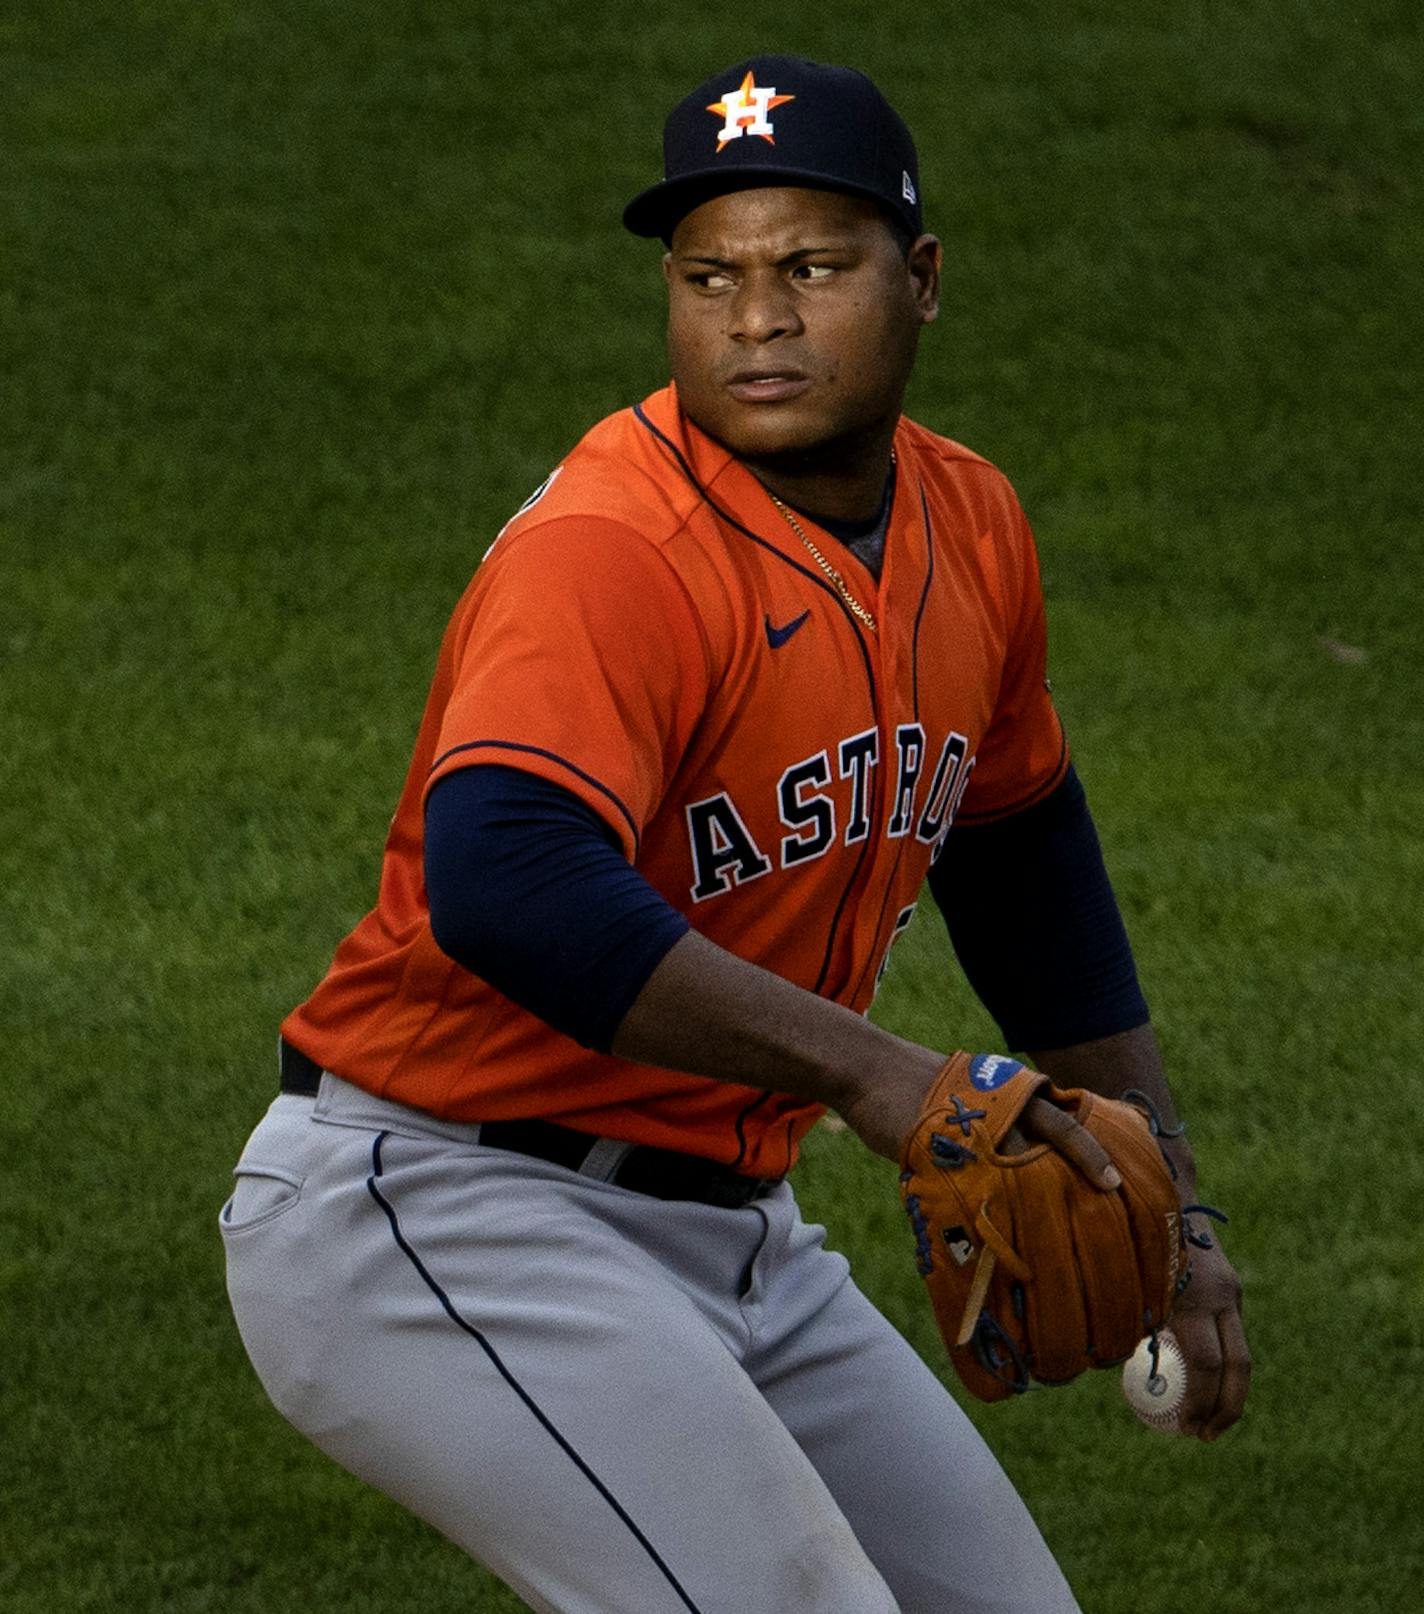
[{"x": 650, "y": 634}]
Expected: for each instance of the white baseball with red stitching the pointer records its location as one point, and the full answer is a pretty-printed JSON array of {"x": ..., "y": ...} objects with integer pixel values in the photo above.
[{"x": 1157, "y": 1397}]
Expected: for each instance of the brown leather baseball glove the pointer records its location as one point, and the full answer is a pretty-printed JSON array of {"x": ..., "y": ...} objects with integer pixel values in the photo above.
[{"x": 1035, "y": 1272}]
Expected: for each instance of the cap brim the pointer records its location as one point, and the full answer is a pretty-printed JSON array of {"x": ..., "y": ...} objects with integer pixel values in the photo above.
[{"x": 656, "y": 212}]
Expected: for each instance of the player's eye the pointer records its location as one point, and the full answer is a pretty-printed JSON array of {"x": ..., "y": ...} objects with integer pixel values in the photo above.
[
  {"x": 710, "y": 279},
  {"x": 813, "y": 271}
]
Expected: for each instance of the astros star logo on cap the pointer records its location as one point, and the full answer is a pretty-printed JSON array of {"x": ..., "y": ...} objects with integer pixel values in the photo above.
[{"x": 745, "y": 111}]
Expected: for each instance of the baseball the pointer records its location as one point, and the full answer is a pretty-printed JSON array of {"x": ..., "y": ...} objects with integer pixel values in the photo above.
[{"x": 1157, "y": 1397}]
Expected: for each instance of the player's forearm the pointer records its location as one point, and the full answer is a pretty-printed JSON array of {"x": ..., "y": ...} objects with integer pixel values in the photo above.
[
  {"x": 705, "y": 1011},
  {"x": 1112, "y": 1065}
]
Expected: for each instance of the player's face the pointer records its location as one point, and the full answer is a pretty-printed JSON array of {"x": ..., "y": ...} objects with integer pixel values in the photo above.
[{"x": 793, "y": 319}]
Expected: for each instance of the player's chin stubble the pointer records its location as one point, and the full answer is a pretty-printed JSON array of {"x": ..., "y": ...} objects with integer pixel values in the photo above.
[{"x": 818, "y": 431}]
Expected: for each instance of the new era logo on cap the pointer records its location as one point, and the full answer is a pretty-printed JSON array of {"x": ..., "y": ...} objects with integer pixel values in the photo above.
[{"x": 747, "y": 111}]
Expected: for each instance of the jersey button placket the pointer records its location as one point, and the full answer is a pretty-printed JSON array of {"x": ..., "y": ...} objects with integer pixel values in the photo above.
[{"x": 880, "y": 866}]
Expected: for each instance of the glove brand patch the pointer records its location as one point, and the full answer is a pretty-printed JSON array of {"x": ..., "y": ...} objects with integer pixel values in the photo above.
[
  {"x": 1174, "y": 1248},
  {"x": 747, "y": 111},
  {"x": 988, "y": 1071}
]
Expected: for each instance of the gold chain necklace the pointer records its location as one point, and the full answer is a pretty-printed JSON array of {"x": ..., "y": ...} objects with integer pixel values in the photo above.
[{"x": 857, "y": 609}]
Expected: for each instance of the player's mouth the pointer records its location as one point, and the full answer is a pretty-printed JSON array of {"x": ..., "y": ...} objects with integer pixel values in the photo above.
[{"x": 767, "y": 386}]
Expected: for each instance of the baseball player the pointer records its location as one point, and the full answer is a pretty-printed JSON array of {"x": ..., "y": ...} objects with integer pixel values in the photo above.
[{"x": 760, "y": 660}]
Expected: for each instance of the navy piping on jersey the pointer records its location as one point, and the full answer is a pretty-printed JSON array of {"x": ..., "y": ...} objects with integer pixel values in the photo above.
[
  {"x": 825, "y": 969},
  {"x": 899, "y": 850},
  {"x": 873, "y": 962},
  {"x": 1046, "y": 789},
  {"x": 915, "y": 687},
  {"x": 845, "y": 610},
  {"x": 528, "y": 887},
  {"x": 498, "y": 1364},
  {"x": 756, "y": 538},
  {"x": 924, "y": 600},
  {"x": 553, "y": 756},
  {"x": 744, "y": 1115}
]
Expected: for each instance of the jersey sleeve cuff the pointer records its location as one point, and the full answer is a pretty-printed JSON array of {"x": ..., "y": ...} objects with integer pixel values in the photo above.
[{"x": 544, "y": 764}]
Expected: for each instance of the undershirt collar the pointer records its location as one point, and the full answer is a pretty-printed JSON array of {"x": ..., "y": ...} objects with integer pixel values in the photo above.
[{"x": 865, "y": 539}]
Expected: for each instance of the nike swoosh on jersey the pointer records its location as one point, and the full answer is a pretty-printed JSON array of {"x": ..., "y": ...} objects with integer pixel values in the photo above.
[{"x": 776, "y": 637}]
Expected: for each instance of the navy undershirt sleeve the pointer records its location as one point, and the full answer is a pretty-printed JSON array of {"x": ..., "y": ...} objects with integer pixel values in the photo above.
[
  {"x": 529, "y": 889},
  {"x": 1035, "y": 924}
]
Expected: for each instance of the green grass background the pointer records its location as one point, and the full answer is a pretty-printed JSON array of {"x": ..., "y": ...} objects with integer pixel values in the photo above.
[{"x": 299, "y": 299}]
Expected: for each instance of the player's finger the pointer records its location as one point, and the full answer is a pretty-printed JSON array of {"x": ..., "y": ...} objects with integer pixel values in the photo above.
[
  {"x": 1207, "y": 1325},
  {"x": 1235, "y": 1375},
  {"x": 1196, "y": 1332},
  {"x": 1046, "y": 1123}
]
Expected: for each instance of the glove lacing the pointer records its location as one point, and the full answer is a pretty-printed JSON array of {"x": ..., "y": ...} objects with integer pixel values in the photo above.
[{"x": 1197, "y": 1238}]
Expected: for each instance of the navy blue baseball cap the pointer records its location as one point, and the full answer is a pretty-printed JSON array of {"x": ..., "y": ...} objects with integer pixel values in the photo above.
[{"x": 781, "y": 120}]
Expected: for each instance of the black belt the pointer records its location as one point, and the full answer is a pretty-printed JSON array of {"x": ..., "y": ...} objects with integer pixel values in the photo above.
[{"x": 662, "y": 1173}]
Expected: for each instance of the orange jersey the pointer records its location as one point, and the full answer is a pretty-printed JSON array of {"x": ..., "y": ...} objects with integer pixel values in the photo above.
[{"x": 649, "y": 633}]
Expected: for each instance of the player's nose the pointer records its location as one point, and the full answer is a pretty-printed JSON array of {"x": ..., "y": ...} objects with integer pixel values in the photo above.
[{"x": 762, "y": 309}]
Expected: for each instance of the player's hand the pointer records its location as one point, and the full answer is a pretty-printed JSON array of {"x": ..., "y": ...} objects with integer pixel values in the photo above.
[
  {"x": 1206, "y": 1323},
  {"x": 1206, "y": 1320},
  {"x": 1043, "y": 1122}
]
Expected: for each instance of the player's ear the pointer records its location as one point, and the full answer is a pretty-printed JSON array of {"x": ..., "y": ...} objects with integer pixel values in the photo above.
[
  {"x": 923, "y": 263},
  {"x": 667, "y": 267}
]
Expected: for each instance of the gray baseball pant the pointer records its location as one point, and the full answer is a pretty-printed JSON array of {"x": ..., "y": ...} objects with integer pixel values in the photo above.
[{"x": 619, "y": 1404}]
